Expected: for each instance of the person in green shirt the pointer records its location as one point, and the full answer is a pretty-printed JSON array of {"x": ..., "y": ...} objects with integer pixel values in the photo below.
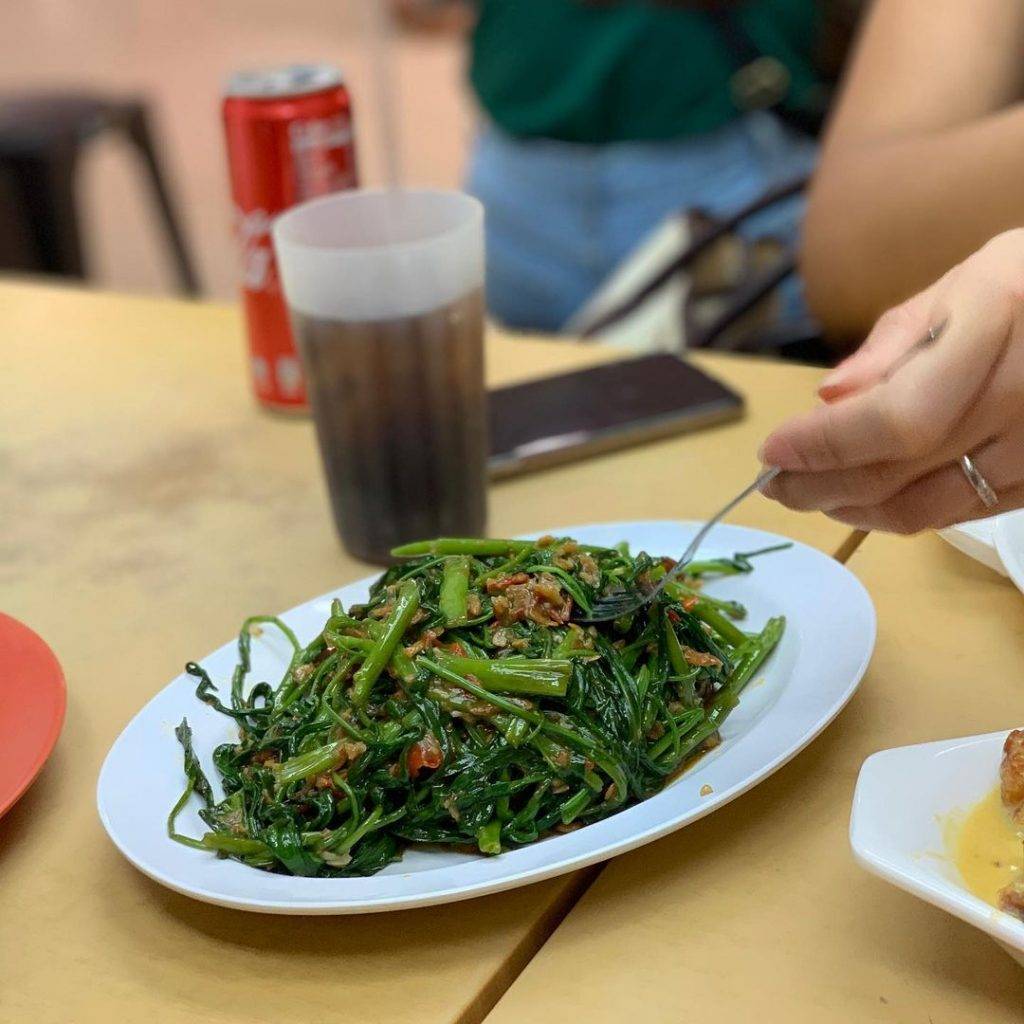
[{"x": 600, "y": 118}]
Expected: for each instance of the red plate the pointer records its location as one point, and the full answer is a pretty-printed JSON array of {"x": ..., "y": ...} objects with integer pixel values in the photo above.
[{"x": 32, "y": 701}]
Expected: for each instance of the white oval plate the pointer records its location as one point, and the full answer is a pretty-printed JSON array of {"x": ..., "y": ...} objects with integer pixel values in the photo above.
[
  {"x": 1009, "y": 538},
  {"x": 904, "y": 797},
  {"x": 829, "y": 638}
]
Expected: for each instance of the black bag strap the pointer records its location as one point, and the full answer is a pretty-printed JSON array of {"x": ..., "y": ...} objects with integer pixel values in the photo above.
[{"x": 701, "y": 244}]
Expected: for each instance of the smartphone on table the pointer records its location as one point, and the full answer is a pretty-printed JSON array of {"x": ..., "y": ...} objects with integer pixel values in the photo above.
[{"x": 558, "y": 419}]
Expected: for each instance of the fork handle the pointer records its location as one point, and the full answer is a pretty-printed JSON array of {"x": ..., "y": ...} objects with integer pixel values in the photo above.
[{"x": 762, "y": 478}]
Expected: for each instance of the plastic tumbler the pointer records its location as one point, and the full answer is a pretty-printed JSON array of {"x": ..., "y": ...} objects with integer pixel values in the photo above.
[{"x": 385, "y": 295}]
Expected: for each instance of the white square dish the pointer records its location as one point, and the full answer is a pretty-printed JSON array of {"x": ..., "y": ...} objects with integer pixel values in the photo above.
[
  {"x": 1008, "y": 535},
  {"x": 904, "y": 799},
  {"x": 977, "y": 540}
]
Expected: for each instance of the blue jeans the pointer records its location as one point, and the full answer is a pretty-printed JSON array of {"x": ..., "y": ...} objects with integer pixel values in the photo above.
[{"x": 562, "y": 216}]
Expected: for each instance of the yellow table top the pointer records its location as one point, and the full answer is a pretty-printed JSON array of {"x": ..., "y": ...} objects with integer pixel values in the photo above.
[
  {"x": 759, "y": 912},
  {"x": 146, "y": 506}
]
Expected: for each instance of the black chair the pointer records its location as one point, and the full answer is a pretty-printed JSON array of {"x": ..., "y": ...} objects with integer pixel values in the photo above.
[{"x": 41, "y": 137}]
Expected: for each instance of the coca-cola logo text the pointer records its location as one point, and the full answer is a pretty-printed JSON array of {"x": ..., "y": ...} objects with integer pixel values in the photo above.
[
  {"x": 259, "y": 272},
  {"x": 322, "y": 133},
  {"x": 321, "y": 150}
]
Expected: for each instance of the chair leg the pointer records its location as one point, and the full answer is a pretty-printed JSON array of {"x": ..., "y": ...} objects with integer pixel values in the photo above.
[
  {"x": 18, "y": 248},
  {"x": 46, "y": 184},
  {"x": 137, "y": 127}
]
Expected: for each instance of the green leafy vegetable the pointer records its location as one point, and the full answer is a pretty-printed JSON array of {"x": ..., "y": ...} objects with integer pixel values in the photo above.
[{"x": 462, "y": 705}]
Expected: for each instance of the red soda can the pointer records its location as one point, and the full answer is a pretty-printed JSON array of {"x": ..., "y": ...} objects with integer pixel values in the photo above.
[{"x": 289, "y": 138}]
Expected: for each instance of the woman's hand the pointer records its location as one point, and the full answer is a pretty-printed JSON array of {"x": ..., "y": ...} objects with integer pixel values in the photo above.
[{"x": 883, "y": 451}]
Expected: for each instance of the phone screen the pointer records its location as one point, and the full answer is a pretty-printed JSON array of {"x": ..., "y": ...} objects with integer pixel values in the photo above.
[{"x": 556, "y": 419}]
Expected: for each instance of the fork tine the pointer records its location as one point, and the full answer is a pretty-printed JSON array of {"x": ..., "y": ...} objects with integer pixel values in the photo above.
[{"x": 613, "y": 606}]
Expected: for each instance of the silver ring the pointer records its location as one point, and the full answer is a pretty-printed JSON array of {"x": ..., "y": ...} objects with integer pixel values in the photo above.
[{"x": 989, "y": 498}]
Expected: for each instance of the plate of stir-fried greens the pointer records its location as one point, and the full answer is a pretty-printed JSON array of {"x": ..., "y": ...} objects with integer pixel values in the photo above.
[{"x": 455, "y": 726}]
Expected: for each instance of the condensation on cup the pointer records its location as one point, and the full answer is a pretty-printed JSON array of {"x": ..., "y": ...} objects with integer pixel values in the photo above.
[{"x": 289, "y": 138}]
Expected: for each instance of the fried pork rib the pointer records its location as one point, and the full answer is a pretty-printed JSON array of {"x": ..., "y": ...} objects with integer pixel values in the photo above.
[{"x": 1011, "y": 787}]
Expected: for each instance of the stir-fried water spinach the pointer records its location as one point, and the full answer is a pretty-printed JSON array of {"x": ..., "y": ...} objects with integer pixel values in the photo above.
[{"x": 462, "y": 705}]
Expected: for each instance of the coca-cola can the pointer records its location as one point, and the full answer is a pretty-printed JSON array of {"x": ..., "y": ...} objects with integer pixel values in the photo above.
[{"x": 289, "y": 138}]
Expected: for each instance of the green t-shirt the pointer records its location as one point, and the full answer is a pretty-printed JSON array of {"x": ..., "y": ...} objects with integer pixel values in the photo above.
[{"x": 594, "y": 72}]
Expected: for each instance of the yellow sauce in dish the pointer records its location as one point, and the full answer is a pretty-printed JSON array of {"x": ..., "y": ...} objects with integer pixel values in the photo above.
[{"x": 989, "y": 849}]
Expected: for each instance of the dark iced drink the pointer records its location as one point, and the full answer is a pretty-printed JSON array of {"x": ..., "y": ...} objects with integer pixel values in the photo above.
[
  {"x": 399, "y": 411},
  {"x": 385, "y": 295}
]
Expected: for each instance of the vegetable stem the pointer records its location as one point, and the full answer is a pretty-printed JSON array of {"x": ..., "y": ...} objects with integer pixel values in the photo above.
[
  {"x": 460, "y": 546},
  {"x": 406, "y": 605},
  {"x": 488, "y": 837},
  {"x": 546, "y": 677},
  {"x": 305, "y": 766},
  {"x": 452, "y": 599}
]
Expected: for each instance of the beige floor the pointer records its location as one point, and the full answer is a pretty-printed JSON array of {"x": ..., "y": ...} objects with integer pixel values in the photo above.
[{"x": 178, "y": 53}]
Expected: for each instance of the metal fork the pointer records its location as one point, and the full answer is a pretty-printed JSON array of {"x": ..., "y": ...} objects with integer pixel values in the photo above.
[
  {"x": 614, "y": 606},
  {"x": 625, "y": 602}
]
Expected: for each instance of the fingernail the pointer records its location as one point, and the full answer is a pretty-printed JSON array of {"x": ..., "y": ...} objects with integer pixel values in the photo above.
[
  {"x": 829, "y": 394},
  {"x": 835, "y": 379},
  {"x": 760, "y": 454}
]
